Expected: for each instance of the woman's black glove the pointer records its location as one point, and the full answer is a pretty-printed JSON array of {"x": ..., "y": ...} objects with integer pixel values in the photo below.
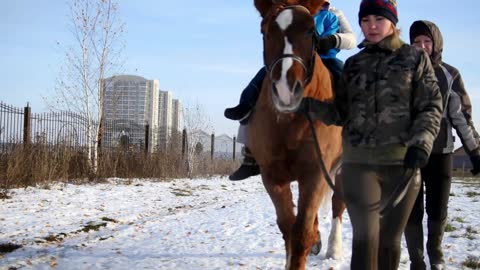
[
  {"x": 319, "y": 110},
  {"x": 324, "y": 44},
  {"x": 415, "y": 158},
  {"x": 475, "y": 159}
]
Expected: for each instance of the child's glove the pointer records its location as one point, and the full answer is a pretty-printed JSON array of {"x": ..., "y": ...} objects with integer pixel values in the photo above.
[{"x": 324, "y": 44}]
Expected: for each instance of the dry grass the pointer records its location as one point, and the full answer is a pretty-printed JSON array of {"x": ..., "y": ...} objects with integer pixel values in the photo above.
[
  {"x": 472, "y": 262},
  {"x": 40, "y": 164}
]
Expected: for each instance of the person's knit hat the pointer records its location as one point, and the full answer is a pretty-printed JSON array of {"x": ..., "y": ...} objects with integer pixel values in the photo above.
[
  {"x": 385, "y": 8},
  {"x": 419, "y": 28}
]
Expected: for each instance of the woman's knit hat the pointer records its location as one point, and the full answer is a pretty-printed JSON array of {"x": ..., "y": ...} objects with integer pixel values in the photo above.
[{"x": 385, "y": 8}]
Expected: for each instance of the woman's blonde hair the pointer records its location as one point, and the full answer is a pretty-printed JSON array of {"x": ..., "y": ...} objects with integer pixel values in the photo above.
[{"x": 396, "y": 41}]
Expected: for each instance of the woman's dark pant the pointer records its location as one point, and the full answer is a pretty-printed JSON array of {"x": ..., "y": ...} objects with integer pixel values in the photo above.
[
  {"x": 376, "y": 240},
  {"x": 437, "y": 176}
]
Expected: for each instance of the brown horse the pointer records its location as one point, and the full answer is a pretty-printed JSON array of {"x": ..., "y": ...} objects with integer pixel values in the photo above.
[{"x": 279, "y": 138}]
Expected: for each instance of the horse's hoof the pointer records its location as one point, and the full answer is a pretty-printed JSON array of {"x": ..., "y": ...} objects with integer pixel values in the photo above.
[
  {"x": 317, "y": 246},
  {"x": 334, "y": 254}
]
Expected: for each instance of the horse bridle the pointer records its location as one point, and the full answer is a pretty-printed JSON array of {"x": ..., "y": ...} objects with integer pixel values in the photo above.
[{"x": 308, "y": 67}]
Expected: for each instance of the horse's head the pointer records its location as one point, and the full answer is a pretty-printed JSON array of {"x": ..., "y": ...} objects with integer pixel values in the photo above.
[{"x": 288, "y": 32}]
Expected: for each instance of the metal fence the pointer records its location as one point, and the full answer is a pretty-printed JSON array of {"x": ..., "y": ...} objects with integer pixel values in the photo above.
[
  {"x": 126, "y": 134},
  {"x": 20, "y": 126},
  {"x": 56, "y": 128},
  {"x": 11, "y": 126}
]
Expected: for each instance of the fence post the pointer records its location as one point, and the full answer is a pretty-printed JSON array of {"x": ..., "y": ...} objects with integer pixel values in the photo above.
[
  {"x": 147, "y": 133},
  {"x": 212, "y": 146},
  {"x": 184, "y": 142},
  {"x": 100, "y": 130},
  {"x": 234, "y": 146},
  {"x": 27, "y": 125}
]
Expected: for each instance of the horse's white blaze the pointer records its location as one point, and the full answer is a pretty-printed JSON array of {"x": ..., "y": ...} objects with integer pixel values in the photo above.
[
  {"x": 335, "y": 247},
  {"x": 283, "y": 89},
  {"x": 284, "y": 20}
]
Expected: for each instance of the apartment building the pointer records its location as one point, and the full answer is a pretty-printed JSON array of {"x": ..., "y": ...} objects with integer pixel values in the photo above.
[{"x": 131, "y": 103}]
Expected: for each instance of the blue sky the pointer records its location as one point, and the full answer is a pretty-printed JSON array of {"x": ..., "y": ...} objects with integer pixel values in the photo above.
[{"x": 205, "y": 52}]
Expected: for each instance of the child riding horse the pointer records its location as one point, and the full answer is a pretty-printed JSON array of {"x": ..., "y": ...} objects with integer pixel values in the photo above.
[{"x": 281, "y": 139}]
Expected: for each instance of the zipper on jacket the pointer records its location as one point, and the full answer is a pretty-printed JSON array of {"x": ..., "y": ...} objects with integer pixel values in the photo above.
[{"x": 377, "y": 77}]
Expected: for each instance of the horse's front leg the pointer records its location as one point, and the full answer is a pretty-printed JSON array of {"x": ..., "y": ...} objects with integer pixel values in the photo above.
[
  {"x": 305, "y": 232},
  {"x": 335, "y": 246},
  {"x": 281, "y": 196},
  {"x": 317, "y": 247}
]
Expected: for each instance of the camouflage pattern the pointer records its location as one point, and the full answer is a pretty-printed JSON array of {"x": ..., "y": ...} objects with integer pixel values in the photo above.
[{"x": 388, "y": 100}]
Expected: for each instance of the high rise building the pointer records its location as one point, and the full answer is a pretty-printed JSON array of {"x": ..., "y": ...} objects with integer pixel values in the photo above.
[
  {"x": 177, "y": 125},
  {"x": 130, "y": 103},
  {"x": 177, "y": 116},
  {"x": 164, "y": 118}
]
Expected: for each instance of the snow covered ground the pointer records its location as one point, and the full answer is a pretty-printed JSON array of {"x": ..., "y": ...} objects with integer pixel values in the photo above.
[{"x": 182, "y": 224}]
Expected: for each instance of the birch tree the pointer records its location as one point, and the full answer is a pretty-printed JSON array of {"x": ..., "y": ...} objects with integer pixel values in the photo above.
[
  {"x": 199, "y": 129},
  {"x": 96, "y": 51}
]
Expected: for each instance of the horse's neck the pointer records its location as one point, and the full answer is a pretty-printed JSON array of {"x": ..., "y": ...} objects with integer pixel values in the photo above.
[{"x": 320, "y": 87}]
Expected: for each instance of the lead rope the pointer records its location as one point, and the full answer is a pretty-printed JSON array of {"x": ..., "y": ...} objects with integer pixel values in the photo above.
[{"x": 395, "y": 198}]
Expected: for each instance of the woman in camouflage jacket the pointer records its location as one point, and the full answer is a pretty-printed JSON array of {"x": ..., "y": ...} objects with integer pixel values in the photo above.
[{"x": 390, "y": 107}]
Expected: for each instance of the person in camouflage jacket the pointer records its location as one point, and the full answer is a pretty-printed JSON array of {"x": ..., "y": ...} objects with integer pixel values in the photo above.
[
  {"x": 437, "y": 174},
  {"x": 390, "y": 107}
]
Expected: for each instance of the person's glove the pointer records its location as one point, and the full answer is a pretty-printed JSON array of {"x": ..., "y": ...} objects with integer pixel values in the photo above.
[
  {"x": 475, "y": 159},
  {"x": 415, "y": 158},
  {"x": 324, "y": 44}
]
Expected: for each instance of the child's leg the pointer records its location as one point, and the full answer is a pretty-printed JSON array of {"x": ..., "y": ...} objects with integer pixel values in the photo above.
[
  {"x": 335, "y": 66},
  {"x": 248, "y": 98}
]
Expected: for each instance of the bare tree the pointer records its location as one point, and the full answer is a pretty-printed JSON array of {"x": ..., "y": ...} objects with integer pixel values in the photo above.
[
  {"x": 199, "y": 128},
  {"x": 98, "y": 44}
]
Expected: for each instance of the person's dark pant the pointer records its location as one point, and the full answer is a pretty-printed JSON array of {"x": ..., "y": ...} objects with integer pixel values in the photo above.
[
  {"x": 335, "y": 66},
  {"x": 437, "y": 177},
  {"x": 252, "y": 91},
  {"x": 376, "y": 240}
]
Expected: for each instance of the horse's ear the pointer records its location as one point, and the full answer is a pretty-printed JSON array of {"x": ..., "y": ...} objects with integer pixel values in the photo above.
[
  {"x": 312, "y": 5},
  {"x": 263, "y": 6}
]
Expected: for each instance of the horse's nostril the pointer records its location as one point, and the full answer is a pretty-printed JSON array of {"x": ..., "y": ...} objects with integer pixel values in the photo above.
[{"x": 297, "y": 87}]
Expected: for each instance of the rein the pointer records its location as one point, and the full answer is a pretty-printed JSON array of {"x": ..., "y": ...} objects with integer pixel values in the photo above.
[{"x": 395, "y": 198}]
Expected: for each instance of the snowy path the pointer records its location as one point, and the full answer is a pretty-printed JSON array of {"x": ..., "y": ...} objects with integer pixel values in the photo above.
[{"x": 184, "y": 224}]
